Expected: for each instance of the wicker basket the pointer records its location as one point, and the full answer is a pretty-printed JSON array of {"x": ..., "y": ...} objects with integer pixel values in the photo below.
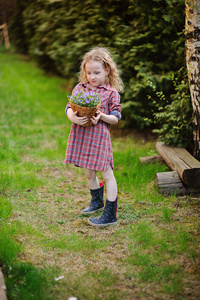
[{"x": 85, "y": 111}]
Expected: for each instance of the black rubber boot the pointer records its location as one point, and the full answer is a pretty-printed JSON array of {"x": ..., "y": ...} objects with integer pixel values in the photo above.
[
  {"x": 109, "y": 216},
  {"x": 96, "y": 203}
]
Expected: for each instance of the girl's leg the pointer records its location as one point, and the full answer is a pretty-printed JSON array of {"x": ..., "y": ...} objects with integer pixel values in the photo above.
[
  {"x": 96, "y": 192},
  {"x": 109, "y": 216},
  {"x": 111, "y": 184},
  {"x": 92, "y": 179}
]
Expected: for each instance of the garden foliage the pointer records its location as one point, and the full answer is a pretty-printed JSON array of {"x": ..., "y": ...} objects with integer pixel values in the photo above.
[
  {"x": 173, "y": 115},
  {"x": 145, "y": 37}
]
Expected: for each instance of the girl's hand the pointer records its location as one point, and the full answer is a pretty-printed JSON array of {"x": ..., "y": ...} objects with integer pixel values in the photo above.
[
  {"x": 75, "y": 119},
  {"x": 96, "y": 118},
  {"x": 110, "y": 119}
]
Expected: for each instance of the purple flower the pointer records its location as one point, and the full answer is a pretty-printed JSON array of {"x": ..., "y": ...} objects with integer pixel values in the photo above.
[{"x": 87, "y": 98}]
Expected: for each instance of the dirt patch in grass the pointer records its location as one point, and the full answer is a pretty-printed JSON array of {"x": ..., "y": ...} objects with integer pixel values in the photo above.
[
  {"x": 153, "y": 252},
  {"x": 56, "y": 234}
]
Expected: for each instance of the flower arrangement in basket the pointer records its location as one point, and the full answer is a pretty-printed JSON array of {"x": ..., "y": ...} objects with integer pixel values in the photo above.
[{"x": 86, "y": 104}]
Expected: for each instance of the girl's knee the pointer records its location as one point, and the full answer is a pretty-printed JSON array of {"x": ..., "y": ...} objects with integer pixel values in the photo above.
[
  {"x": 90, "y": 174},
  {"x": 108, "y": 174}
]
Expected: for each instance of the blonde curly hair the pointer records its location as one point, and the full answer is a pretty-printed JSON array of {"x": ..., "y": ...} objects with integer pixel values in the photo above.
[{"x": 102, "y": 55}]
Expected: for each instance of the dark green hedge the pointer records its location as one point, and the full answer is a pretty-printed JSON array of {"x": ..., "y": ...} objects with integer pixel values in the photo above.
[{"x": 146, "y": 38}]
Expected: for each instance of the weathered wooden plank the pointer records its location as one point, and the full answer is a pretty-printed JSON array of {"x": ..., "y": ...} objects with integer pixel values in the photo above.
[
  {"x": 180, "y": 160},
  {"x": 151, "y": 159},
  {"x": 194, "y": 166},
  {"x": 190, "y": 160},
  {"x": 168, "y": 177},
  {"x": 170, "y": 183}
]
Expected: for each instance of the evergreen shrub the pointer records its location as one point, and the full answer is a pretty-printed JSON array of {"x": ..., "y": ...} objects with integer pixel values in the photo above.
[
  {"x": 145, "y": 37},
  {"x": 173, "y": 114}
]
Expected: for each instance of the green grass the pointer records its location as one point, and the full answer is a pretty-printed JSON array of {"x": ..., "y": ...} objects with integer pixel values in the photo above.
[{"x": 152, "y": 253}]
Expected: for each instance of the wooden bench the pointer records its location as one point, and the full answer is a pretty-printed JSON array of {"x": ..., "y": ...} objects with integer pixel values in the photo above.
[
  {"x": 181, "y": 161},
  {"x": 185, "y": 175}
]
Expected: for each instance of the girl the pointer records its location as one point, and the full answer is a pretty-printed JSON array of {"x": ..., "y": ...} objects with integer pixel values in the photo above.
[{"x": 90, "y": 147}]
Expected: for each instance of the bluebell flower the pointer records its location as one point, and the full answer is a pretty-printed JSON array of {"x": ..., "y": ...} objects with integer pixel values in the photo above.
[{"x": 85, "y": 99}]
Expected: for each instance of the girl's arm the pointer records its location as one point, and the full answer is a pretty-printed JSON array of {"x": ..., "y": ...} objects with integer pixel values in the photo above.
[
  {"x": 114, "y": 108},
  {"x": 110, "y": 119},
  {"x": 74, "y": 118}
]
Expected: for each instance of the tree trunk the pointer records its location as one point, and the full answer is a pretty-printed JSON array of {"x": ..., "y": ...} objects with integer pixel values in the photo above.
[{"x": 192, "y": 34}]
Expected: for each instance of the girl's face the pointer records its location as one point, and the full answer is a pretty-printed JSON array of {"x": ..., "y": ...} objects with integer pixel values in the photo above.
[{"x": 96, "y": 74}]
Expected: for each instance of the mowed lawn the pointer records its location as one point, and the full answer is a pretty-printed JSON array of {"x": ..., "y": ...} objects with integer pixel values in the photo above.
[{"x": 47, "y": 248}]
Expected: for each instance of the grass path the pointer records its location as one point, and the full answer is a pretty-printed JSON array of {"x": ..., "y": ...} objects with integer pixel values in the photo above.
[{"x": 47, "y": 248}]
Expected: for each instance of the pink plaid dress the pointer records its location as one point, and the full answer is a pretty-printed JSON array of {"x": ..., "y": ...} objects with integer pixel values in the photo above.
[{"x": 90, "y": 147}]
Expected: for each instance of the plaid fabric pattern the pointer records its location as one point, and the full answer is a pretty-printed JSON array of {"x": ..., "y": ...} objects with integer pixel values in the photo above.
[{"x": 90, "y": 147}]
